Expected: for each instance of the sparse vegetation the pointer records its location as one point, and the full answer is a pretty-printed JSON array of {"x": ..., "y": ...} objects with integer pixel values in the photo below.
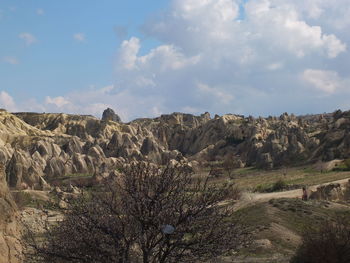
[
  {"x": 279, "y": 185},
  {"x": 250, "y": 178},
  {"x": 347, "y": 163},
  {"x": 344, "y": 166},
  {"x": 78, "y": 175},
  {"x": 22, "y": 199},
  {"x": 329, "y": 242},
  {"x": 25, "y": 199}
]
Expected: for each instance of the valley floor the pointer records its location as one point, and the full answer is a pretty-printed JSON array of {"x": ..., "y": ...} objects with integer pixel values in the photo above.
[{"x": 276, "y": 219}]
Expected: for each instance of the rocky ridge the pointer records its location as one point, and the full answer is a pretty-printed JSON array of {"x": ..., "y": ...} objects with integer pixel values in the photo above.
[{"x": 36, "y": 147}]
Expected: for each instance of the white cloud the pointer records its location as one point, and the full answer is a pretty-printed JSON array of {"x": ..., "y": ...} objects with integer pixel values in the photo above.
[
  {"x": 11, "y": 60},
  {"x": 219, "y": 10},
  {"x": 334, "y": 45},
  {"x": 40, "y": 11},
  {"x": 80, "y": 37},
  {"x": 223, "y": 97},
  {"x": 274, "y": 66},
  {"x": 59, "y": 102},
  {"x": 155, "y": 111},
  {"x": 166, "y": 57},
  {"x": 199, "y": 25},
  {"x": 7, "y": 102},
  {"x": 28, "y": 38},
  {"x": 128, "y": 53},
  {"x": 323, "y": 80},
  {"x": 243, "y": 54},
  {"x": 192, "y": 110},
  {"x": 162, "y": 58},
  {"x": 279, "y": 23},
  {"x": 330, "y": 13}
]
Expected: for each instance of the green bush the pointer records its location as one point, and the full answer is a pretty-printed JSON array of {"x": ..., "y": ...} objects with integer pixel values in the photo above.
[
  {"x": 347, "y": 163},
  {"x": 268, "y": 188},
  {"x": 279, "y": 185}
]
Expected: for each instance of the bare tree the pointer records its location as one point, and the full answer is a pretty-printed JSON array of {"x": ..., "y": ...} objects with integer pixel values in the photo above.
[
  {"x": 228, "y": 164},
  {"x": 147, "y": 214}
]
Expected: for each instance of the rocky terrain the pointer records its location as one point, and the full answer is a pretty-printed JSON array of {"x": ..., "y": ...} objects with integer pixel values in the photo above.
[
  {"x": 37, "y": 147},
  {"x": 10, "y": 246},
  {"x": 37, "y": 150}
]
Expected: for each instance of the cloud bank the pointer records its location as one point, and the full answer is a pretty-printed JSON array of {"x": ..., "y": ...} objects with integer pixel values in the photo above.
[{"x": 228, "y": 56}]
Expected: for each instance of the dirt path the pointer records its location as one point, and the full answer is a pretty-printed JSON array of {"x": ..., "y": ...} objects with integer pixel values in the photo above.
[{"x": 252, "y": 198}]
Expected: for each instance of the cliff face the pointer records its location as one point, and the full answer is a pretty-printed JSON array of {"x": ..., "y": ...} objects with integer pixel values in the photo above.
[
  {"x": 10, "y": 247},
  {"x": 37, "y": 146}
]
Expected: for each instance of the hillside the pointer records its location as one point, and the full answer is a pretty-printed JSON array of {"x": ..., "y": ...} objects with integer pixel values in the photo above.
[
  {"x": 35, "y": 145},
  {"x": 45, "y": 154}
]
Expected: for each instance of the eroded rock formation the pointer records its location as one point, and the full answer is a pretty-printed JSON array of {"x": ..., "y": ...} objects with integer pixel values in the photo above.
[
  {"x": 10, "y": 246},
  {"x": 110, "y": 115},
  {"x": 36, "y": 146}
]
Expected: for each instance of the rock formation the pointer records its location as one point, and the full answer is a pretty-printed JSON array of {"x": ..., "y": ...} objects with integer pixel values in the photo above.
[
  {"x": 110, "y": 115},
  {"x": 10, "y": 247},
  {"x": 36, "y": 146}
]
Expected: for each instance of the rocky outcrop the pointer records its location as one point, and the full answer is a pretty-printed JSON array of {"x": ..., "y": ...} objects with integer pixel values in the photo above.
[
  {"x": 22, "y": 170},
  {"x": 331, "y": 192},
  {"x": 110, "y": 115},
  {"x": 10, "y": 246},
  {"x": 334, "y": 137}
]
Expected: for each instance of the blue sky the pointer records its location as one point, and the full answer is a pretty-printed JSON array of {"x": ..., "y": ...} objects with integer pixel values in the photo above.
[
  {"x": 56, "y": 62},
  {"x": 145, "y": 58}
]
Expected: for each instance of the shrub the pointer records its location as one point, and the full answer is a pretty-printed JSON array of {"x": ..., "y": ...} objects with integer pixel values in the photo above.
[
  {"x": 347, "y": 164},
  {"x": 278, "y": 186},
  {"x": 329, "y": 243},
  {"x": 268, "y": 188},
  {"x": 22, "y": 199}
]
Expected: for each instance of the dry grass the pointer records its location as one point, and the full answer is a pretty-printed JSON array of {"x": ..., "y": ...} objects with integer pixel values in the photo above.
[
  {"x": 249, "y": 179},
  {"x": 282, "y": 221}
]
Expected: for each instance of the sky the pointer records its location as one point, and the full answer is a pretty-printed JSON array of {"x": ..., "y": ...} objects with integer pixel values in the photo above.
[{"x": 146, "y": 58}]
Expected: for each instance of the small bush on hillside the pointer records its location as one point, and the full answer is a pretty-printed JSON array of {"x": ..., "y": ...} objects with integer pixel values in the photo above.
[
  {"x": 268, "y": 188},
  {"x": 279, "y": 185},
  {"x": 22, "y": 199},
  {"x": 347, "y": 192},
  {"x": 344, "y": 166},
  {"x": 329, "y": 243},
  {"x": 347, "y": 163}
]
